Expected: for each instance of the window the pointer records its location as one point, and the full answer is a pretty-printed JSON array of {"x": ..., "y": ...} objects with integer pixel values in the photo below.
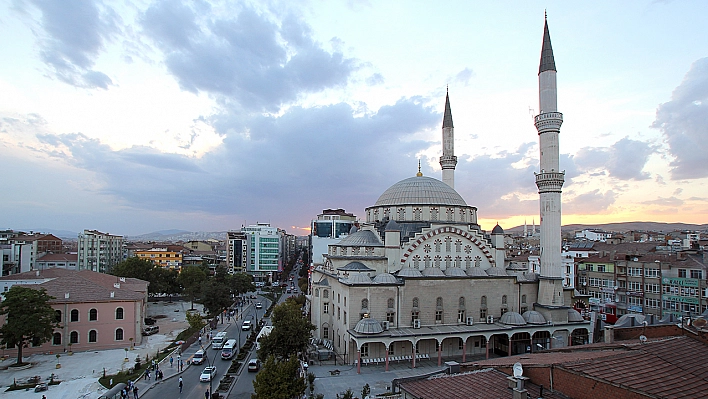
[
  {"x": 461, "y": 302},
  {"x": 523, "y": 298},
  {"x": 390, "y": 316},
  {"x": 119, "y": 313},
  {"x": 325, "y": 307},
  {"x": 92, "y": 336},
  {"x": 345, "y": 317},
  {"x": 415, "y": 315},
  {"x": 635, "y": 286},
  {"x": 483, "y": 314},
  {"x": 56, "y": 338},
  {"x": 365, "y": 350},
  {"x": 365, "y": 304},
  {"x": 339, "y": 313},
  {"x": 325, "y": 294},
  {"x": 635, "y": 271},
  {"x": 74, "y": 337},
  {"x": 119, "y": 334},
  {"x": 438, "y": 316},
  {"x": 415, "y": 302},
  {"x": 325, "y": 332},
  {"x": 461, "y": 316},
  {"x": 93, "y": 315},
  {"x": 652, "y": 288},
  {"x": 503, "y": 299},
  {"x": 484, "y": 301},
  {"x": 58, "y": 316},
  {"x": 652, "y": 273},
  {"x": 682, "y": 273},
  {"x": 317, "y": 292},
  {"x": 390, "y": 303},
  {"x": 74, "y": 315},
  {"x": 696, "y": 274},
  {"x": 600, "y": 268}
]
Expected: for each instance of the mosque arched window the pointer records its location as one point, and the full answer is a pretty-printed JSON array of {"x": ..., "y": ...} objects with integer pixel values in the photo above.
[
  {"x": 427, "y": 248},
  {"x": 387, "y": 212},
  {"x": 458, "y": 245},
  {"x": 433, "y": 213},
  {"x": 463, "y": 215},
  {"x": 437, "y": 260},
  {"x": 390, "y": 303},
  {"x": 325, "y": 294},
  {"x": 317, "y": 292},
  {"x": 477, "y": 261},
  {"x": 426, "y": 260},
  {"x": 355, "y": 250},
  {"x": 416, "y": 213},
  {"x": 439, "y": 310},
  {"x": 458, "y": 261},
  {"x": 523, "y": 298},
  {"x": 468, "y": 261},
  {"x": 376, "y": 214},
  {"x": 448, "y": 244},
  {"x": 416, "y": 261},
  {"x": 461, "y": 302},
  {"x": 369, "y": 251},
  {"x": 450, "y": 214},
  {"x": 415, "y": 302},
  {"x": 483, "y": 301},
  {"x": 438, "y": 245},
  {"x": 401, "y": 213},
  {"x": 503, "y": 299},
  {"x": 448, "y": 261}
]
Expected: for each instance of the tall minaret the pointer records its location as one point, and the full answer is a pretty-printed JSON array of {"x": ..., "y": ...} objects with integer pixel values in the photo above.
[
  {"x": 448, "y": 160},
  {"x": 550, "y": 179}
]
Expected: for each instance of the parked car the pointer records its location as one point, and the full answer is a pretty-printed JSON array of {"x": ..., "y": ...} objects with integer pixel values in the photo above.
[
  {"x": 254, "y": 365},
  {"x": 149, "y": 330},
  {"x": 149, "y": 321},
  {"x": 259, "y": 305},
  {"x": 208, "y": 373},
  {"x": 246, "y": 325}
]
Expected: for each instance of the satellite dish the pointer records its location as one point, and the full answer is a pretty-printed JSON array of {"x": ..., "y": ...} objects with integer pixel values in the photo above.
[
  {"x": 642, "y": 339},
  {"x": 518, "y": 370},
  {"x": 700, "y": 322}
]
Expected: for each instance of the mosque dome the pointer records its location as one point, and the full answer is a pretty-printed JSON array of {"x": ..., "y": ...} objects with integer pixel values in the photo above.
[
  {"x": 359, "y": 278},
  {"x": 496, "y": 271},
  {"x": 497, "y": 229},
  {"x": 433, "y": 272},
  {"x": 368, "y": 325},
  {"x": 574, "y": 316},
  {"x": 385, "y": 278},
  {"x": 355, "y": 267},
  {"x": 455, "y": 272},
  {"x": 420, "y": 190},
  {"x": 361, "y": 238},
  {"x": 409, "y": 272},
  {"x": 512, "y": 319},
  {"x": 534, "y": 317},
  {"x": 476, "y": 272}
]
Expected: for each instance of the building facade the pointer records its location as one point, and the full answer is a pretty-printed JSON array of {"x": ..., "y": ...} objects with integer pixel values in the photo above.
[
  {"x": 169, "y": 257},
  {"x": 236, "y": 251},
  {"x": 264, "y": 257},
  {"x": 99, "y": 252},
  {"x": 329, "y": 228}
]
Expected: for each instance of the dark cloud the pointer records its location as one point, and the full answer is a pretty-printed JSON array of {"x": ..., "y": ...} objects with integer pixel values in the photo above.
[
  {"x": 684, "y": 123},
  {"x": 248, "y": 59},
  {"x": 624, "y": 160},
  {"x": 76, "y": 32}
]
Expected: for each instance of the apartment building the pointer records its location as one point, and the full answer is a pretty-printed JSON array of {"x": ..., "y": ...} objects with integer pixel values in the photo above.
[
  {"x": 329, "y": 228},
  {"x": 169, "y": 257},
  {"x": 264, "y": 256},
  {"x": 236, "y": 251},
  {"x": 98, "y": 251}
]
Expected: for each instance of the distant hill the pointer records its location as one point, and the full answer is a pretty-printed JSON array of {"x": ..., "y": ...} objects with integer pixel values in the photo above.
[
  {"x": 627, "y": 226},
  {"x": 179, "y": 235},
  {"x": 63, "y": 234}
]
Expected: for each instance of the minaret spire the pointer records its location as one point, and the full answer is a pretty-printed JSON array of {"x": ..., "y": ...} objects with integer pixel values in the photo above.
[
  {"x": 550, "y": 179},
  {"x": 448, "y": 160}
]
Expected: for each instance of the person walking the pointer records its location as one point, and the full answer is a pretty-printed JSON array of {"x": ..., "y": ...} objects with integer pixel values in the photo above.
[
  {"x": 180, "y": 384},
  {"x": 206, "y": 394},
  {"x": 171, "y": 360},
  {"x": 135, "y": 392}
]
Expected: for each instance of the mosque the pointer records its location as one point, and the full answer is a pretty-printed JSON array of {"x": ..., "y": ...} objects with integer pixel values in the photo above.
[{"x": 421, "y": 280}]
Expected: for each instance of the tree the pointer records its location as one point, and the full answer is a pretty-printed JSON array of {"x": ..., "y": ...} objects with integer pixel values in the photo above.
[
  {"x": 136, "y": 268},
  {"x": 215, "y": 296},
  {"x": 290, "y": 335},
  {"x": 191, "y": 279},
  {"x": 241, "y": 282},
  {"x": 195, "y": 320},
  {"x": 165, "y": 281},
  {"x": 29, "y": 318},
  {"x": 279, "y": 380}
]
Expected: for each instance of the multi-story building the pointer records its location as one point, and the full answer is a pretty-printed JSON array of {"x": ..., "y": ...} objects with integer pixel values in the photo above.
[
  {"x": 236, "y": 251},
  {"x": 264, "y": 257},
  {"x": 168, "y": 257},
  {"x": 329, "y": 228},
  {"x": 99, "y": 252},
  {"x": 62, "y": 261},
  {"x": 199, "y": 246}
]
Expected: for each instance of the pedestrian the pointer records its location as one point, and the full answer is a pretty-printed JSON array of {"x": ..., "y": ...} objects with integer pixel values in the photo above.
[
  {"x": 147, "y": 374},
  {"x": 206, "y": 394},
  {"x": 200, "y": 340},
  {"x": 171, "y": 360},
  {"x": 180, "y": 384},
  {"x": 135, "y": 392}
]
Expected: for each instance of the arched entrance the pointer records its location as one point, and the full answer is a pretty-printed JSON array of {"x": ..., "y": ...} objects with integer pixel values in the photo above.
[
  {"x": 541, "y": 341},
  {"x": 520, "y": 343},
  {"x": 579, "y": 336}
]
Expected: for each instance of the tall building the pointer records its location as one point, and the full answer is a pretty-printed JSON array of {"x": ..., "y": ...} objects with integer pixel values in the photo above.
[
  {"x": 236, "y": 251},
  {"x": 99, "y": 252},
  {"x": 550, "y": 179},
  {"x": 264, "y": 252},
  {"x": 329, "y": 228},
  {"x": 420, "y": 277}
]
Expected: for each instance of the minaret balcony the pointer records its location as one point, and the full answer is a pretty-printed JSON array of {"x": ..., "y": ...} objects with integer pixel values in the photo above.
[
  {"x": 550, "y": 181},
  {"x": 548, "y": 122},
  {"x": 448, "y": 161}
]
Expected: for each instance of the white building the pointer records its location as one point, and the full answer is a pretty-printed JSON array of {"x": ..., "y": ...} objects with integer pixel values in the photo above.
[
  {"x": 99, "y": 252},
  {"x": 593, "y": 235},
  {"x": 264, "y": 252},
  {"x": 329, "y": 228}
]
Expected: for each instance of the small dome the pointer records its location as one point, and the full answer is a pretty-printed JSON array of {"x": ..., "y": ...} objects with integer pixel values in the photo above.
[
  {"x": 354, "y": 229},
  {"x": 455, "y": 272},
  {"x": 385, "y": 278},
  {"x": 392, "y": 226},
  {"x": 368, "y": 325},
  {"x": 497, "y": 229},
  {"x": 533, "y": 317},
  {"x": 355, "y": 267},
  {"x": 512, "y": 319},
  {"x": 476, "y": 272},
  {"x": 433, "y": 272},
  {"x": 496, "y": 271},
  {"x": 574, "y": 316},
  {"x": 359, "y": 278},
  {"x": 409, "y": 272},
  {"x": 361, "y": 238}
]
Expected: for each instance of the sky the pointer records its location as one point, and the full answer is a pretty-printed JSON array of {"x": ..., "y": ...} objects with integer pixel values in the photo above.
[{"x": 130, "y": 117}]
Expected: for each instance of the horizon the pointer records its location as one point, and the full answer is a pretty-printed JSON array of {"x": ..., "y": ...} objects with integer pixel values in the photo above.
[{"x": 123, "y": 118}]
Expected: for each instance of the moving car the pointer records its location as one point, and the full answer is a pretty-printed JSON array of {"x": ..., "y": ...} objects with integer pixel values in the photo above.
[
  {"x": 259, "y": 305},
  {"x": 246, "y": 325},
  {"x": 254, "y": 365},
  {"x": 198, "y": 357},
  {"x": 218, "y": 341},
  {"x": 208, "y": 373},
  {"x": 229, "y": 349},
  {"x": 149, "y": 330}
]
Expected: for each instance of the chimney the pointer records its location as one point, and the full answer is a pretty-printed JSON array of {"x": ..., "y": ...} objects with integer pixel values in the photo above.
[{"x": 609, "y": 334}]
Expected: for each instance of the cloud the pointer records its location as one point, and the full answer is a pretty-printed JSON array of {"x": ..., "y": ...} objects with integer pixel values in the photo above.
[
  {"x": 624, "y": 160},
  {"x": 684, "y": 123},
  {"x": 588, "y": 203},
  {"x": 249, "y": 59},
  {"x": 464, "y": 76},
  {"x": 75, "y": 33}
]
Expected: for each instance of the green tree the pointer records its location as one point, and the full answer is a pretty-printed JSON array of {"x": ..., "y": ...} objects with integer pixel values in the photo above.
[
  {"x": 279, "y": 380},
  {"x": 290, "y": 335},
  {"x": 195, "y": 320},
  {"x": 29, "y": 318},
  {"x": 191, "y": 279},
  {"x": 165, "y": 281},
  {"x": 241, "y": 283},
  {"x": 136, "y": 268},
  {"x": 215, "y": 296}
]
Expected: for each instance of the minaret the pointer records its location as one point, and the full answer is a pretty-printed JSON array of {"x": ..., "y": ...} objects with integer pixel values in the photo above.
[
  {"x": 448, "y": 160},
  {"x": 550, "y": 179}
]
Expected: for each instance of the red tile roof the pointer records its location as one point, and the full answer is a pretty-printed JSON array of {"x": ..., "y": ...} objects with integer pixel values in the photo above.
[
  {"x": 481, "y": 384},
  {"x": 59, "y": 258}
]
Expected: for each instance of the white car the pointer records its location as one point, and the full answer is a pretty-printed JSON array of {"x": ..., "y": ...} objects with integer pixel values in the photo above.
[
  {"x": 246, "y": 325},
  {"x": 208, "y": 373},
  {"x": 259, "y": 305}
]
